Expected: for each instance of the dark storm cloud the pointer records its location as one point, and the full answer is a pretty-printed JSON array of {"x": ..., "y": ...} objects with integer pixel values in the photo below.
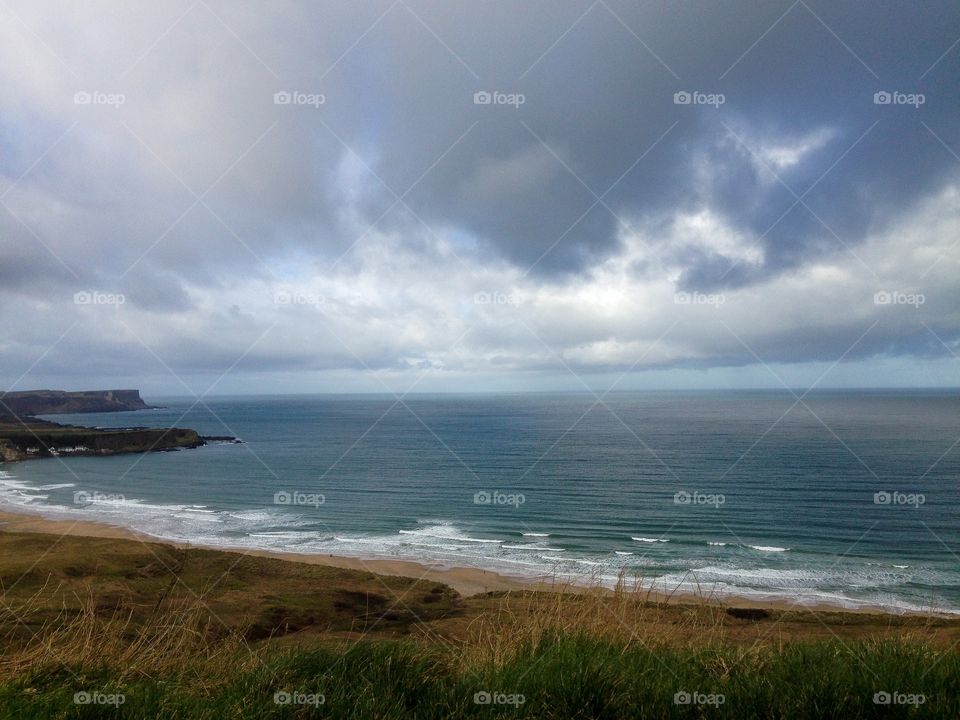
[
  {"x": 599, "y": 100},
  {"x": 198, "y": 193},
  {"x": 598, "y": 83}
]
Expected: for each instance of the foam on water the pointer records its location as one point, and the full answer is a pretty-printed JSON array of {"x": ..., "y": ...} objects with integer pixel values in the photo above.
[
  {"x": 18, "y": 493},
  {"x": 799, "y": 594},
  {"x": 668, "y": 568},
  {"x": 446, "y": 531},
  {"x": 768, "y": 548}
]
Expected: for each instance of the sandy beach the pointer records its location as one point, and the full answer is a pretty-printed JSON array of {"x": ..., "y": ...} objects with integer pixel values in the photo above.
[
  {"x": 92, "y": 594},
  {"x": 467, "y": 581}
]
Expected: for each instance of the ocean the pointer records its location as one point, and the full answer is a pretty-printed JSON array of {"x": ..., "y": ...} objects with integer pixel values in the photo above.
[{"x": 846, "y": 498}]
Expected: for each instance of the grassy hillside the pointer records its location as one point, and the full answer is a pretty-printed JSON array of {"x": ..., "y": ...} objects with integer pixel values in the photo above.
[{"x": 95, "y": 628}]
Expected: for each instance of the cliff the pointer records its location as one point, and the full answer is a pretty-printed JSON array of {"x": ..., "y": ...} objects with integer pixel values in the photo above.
[
  {"x": 25, "y": 437},
  {"x": 38, "y": 441},
  {"x": 51, "y": 402}
]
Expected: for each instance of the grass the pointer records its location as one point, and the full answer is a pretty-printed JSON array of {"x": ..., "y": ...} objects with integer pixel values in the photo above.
[
  {"x": 562, "y": 677},
  {"x": 203, "y": 634}
]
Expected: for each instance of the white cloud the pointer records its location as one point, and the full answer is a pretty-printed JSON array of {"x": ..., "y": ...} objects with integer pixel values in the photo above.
[
  {"x": 401, "y": 308},
  {"x": 784, "y": 153},
  {"x": 297, "y": 203}
]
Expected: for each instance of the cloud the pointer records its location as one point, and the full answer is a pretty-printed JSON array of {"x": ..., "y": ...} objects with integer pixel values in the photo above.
[{"x": 177, "y": 180}]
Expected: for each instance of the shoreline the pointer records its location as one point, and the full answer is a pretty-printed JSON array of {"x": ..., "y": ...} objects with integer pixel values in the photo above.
[{"x": 467, "y": 581}]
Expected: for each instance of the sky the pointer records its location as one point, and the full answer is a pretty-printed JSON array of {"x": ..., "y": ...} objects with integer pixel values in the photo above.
[{"x": 434, "y": 195}]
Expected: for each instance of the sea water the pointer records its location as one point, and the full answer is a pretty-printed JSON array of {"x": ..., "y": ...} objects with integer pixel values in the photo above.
[{"x": 847, "y": 498}]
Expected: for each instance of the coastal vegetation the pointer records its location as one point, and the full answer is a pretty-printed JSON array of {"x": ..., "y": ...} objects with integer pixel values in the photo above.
[
  {"x": 25, "y": 437},
  {"x": 98, "y": 627}
]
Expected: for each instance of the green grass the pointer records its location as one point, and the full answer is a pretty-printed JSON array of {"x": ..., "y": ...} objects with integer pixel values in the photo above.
[
  {"x": 562, "y": 677},
  {"x": 200, "y": 635}
]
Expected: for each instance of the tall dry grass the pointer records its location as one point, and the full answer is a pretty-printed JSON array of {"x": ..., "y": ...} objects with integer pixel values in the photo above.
[
  {"x": 629, "y": 615},
  {"x": 180, "y": 636}
]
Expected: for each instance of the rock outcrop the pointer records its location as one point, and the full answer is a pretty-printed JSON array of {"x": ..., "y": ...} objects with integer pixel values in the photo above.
[
  {"x": 25, "y": 437},
  {"x": 39, "y": 441},
  {"x": 54, "y": 402}
]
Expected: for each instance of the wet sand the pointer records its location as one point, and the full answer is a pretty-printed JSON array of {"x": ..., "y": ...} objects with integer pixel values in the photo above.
[{"x": 465, "y": 580}]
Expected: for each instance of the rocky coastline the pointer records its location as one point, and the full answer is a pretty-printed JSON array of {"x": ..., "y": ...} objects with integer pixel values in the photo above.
[{"x": 25, "y": 437}]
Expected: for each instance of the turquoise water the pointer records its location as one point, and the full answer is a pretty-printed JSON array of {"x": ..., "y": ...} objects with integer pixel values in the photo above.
[{"x": 740, "y": 493}]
